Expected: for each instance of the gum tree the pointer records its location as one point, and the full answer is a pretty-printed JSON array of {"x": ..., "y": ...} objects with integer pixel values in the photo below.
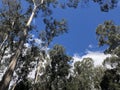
[{"x": 16, "y": 26}]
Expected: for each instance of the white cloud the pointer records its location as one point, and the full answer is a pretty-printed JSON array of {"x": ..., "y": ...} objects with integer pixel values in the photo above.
[{"x": 97, "y": 56}]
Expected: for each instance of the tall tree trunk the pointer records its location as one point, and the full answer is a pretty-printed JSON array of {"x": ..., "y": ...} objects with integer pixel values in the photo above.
[
  {"x": 1, "y": 45},
  {"x": 38, "y": 69},
  {"x": 14, "y": 86},
  {"x": 4, "y": 84},
  {"x": 40, "y": 59},
  {"x": 37, "y": 72},
  {"x": 3, "y": 48},
  {"x": 2, "y": 53}
]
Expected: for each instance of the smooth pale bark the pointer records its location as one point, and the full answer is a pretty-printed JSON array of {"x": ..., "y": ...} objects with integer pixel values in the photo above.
[
  {"x": 3, "y": 42},
  {"x": 39, "y": 66},
  {"x": 41, "y": 58},
  {"x": 13, "y": 87},
  {"x": 3, "y": 52},
  {"x": 37, "y": 72},
  {"x": 38, "y": 69},
  {"x": 3, "y": 48},
  {"x": 4, "y": 84}
]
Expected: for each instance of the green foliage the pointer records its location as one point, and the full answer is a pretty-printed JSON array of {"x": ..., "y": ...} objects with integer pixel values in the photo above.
[
  {"x": 13, "y": 26},
  {"x": 24, "y": 66},
  {"x": 98, "y": 75},
  {"x": 109, "y": 34},
  {"x": 107, "y": 5},
  {"x": 86, "y": 76},
  {"x": 26, "y": 62},
  {"x": 110, "y": 80},
  {"x": 55, "y": 75},
  {"x": 53, "y": 29},
  {"x": 23, "y": 85}
]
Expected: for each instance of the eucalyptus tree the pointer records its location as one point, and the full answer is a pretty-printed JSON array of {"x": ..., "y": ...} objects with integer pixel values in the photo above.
[
  {"x": 25, "y": 65},
  {"x": 86, "y": 76},
  {"x": 21, "y": 39},
  {"x": 16, "y": 23},
  {"x": 107, "y": 5},
  {"x": 16, "y": 26},
  {"x": 57, "y": 72},
  {"x": 109, "y": 34},
  {"x": 98, "y": 75},
  {"x": 19, "y": 27}
]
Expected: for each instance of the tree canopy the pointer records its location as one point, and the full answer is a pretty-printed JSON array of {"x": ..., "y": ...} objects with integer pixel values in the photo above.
[{"x": 52, "y": 67}]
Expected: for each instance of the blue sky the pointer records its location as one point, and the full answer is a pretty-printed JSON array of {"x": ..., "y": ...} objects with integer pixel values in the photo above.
[
  {"x": 82, "y": 23},
  {"x": 80, "y": 41}
]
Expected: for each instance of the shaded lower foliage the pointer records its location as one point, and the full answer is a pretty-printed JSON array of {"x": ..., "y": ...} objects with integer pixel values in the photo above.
[
  {"x": 55, "y": 75},
  {"x": 108, "y": 34},
  {"x": 23, "y": 85},
  {"x": 111, "y": 80}
]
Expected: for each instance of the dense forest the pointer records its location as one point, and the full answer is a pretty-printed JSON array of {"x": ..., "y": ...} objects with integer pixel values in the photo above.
[{"x": 26, "y": 64}]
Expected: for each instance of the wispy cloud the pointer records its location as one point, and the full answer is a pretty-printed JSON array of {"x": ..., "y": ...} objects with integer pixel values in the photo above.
[{"x": 90, "y": 46}]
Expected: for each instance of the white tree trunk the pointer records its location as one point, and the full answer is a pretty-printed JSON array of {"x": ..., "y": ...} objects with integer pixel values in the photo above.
[
  {"x": 3, "y": 42},
  {"x": 4, "y": 84}
]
